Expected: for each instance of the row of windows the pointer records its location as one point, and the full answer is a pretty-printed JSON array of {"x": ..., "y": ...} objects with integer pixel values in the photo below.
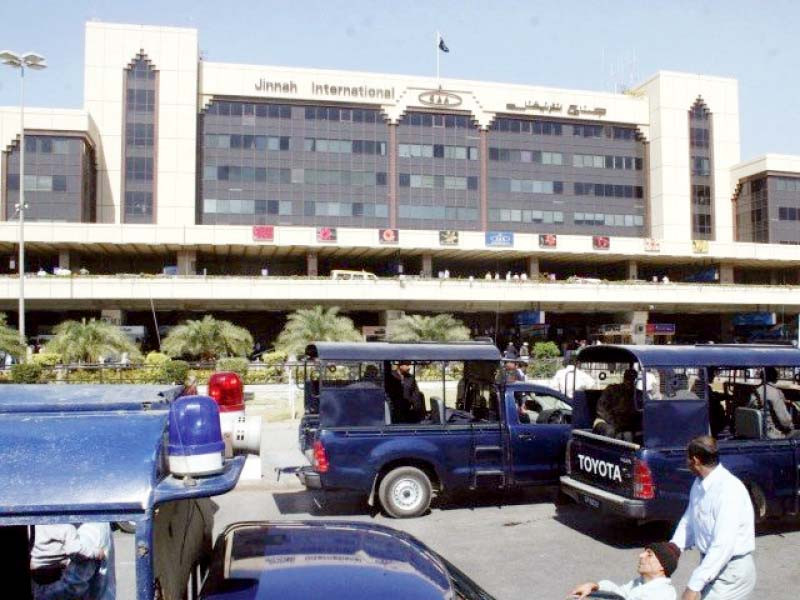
[
  {"x": 701, "y": 166},
  {"x": 701, "y": 195},
  {"x": 138, "y": 168},
  {"x": 525, "y": 186},
  {"x": 308, "y": 176},
  {"x": 526, "y": 156},
  {"x": 437, "y": 151},
  {"x": 46, "y": 145},
  {"x": 139, "y": 203},
  {"x": 527, "y": 126},
  {"x": 513, "y": 215},
  {"x": 139, "y": 134},
  {"x": 609, "y": 190},
  {"x": 444, "y": 182},
  {"x": 433, "y": 120},
  {"x": 247, "y": 142},
  {"x": 597, "y": 161},
  {"x": 608, "y": 220},
  {"x": 39, "y": 183},
  {"x": 143, "y": 101},
  {"x": 345, "y": 146},
  {"x": 330, "y": 113},
  {"x": 789, "y": 213},
  {"x": 783, "y": 184},
  {"x": 449, "y": 213},
  {"x": 345, "y": 209},
  {"x": 699, "y": 137},
  {"x": 247, "y": 207},
  {"x": 239, "y": 109}
]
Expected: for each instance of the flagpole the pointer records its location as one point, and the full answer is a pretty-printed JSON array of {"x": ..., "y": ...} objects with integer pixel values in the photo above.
[{"x": 436, "y": 49}]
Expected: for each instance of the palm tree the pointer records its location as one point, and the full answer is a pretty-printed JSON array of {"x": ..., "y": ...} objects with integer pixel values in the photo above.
[
  {"x": 9, "y": 339},
  {"x": 419, "y": 328},
  {"x": 320, "y": 324},
  {"x": 207, "y": 339},
  {"x": 88, "y": 341}
]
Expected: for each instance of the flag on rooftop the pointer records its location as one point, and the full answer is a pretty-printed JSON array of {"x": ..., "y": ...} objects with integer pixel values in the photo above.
[{"x": 442, "y": 46}]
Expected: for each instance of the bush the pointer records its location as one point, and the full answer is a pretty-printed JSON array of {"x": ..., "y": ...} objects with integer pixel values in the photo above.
[
  {"x": 544, "y": 361},
  {"x": 234, "y": 363},
  {"x": 273, "y": 358},
  {"x": 29, "y": 372},
  {"x": 46, "y": 359},
  {"x": 156, "y": 359},
  {"x": 175, "y": 371}
]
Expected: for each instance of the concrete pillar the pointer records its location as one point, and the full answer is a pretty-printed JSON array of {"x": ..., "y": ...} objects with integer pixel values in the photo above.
[
  {"x": 633, "y": 269},
  {"x": 533, "y": 268},
  {"x": 427, "y": 265},
  {"x": 638, "y": 322},
  {"x": 312, "y": 264},
  {"x": 113, "y": 316},
  {"x": 726, "y": 273},
  {"x": 726, "y": 328},
  {"x": 187, "y": 262},
  {"x": 386, "y": 318},
  {"x": 63, "y": 259},
  {"x": 774, "y": 277}
]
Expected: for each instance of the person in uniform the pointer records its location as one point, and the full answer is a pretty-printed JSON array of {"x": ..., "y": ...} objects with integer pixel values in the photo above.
[
  {"x": 779, "y": 421},
  {"x": 719, "y": 522},
  {"x": 616, "y": 412},
  {"x": 408, "y": 404},
  {"x": 657, "y": 563}
]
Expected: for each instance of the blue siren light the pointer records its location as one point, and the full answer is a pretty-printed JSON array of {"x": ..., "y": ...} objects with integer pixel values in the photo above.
[{"x": 195, "y": 440}]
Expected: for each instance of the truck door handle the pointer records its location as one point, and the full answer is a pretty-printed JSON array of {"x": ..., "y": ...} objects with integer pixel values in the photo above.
[{"x": 525, "y": 437}]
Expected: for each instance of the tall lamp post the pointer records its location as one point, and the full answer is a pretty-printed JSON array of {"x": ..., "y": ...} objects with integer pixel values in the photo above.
[{"x": 29, "y": 60}]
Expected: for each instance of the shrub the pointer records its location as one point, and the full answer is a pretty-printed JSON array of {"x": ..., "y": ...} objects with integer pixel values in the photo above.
[
  {"x": 155, "y": 359},
  {"x": 544, "y": 360},
  {"x": 236, "y": 364},
  {"x": 175, "y": 371},
  {"x": 46, "y": 359},
  {"x": 26, "y": 372}
]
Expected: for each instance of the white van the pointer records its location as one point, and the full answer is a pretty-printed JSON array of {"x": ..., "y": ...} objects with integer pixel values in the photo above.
[{"x": 353, "y": 275}]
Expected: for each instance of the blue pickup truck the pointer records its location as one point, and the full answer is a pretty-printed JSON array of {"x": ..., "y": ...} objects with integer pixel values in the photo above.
[
  {"x": 465, "y": 428},
  {"x": 679, "y": 392}
]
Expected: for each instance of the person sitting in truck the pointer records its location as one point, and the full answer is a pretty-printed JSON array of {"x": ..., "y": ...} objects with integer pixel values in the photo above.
[
  {"x": 779, "y": 421},
  {"x": 408, "y": 403},
  {"x": 657, "y": 563},
  {"x": 616, "y": 413},
  {"x": 512, "y": 370}
]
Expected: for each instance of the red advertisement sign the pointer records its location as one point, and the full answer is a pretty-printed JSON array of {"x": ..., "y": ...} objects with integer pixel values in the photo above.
[
  {"x": 326, "y": 234},
  {"x": 601, "y": 242},
  {"x": 548, "y": 240},
  {"x": 263, "y": 233},
  {"x": 388, "y": 236}
]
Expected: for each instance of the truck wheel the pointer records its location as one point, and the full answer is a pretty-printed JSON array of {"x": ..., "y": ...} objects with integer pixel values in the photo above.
[{"x": 405, "y": 492}]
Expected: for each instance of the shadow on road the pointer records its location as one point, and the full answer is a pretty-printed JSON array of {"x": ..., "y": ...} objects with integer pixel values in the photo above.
[
  {"x": 778, "y": 526},
  {"x": 613, "y": 531},
  {"x": 322, "y": 504}
]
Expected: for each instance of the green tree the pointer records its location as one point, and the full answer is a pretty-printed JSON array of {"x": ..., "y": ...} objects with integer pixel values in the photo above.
[
  {"x": 420, "y": 328},
  {"x": 87, "y": 341},
  {"x": 544, "y": 360},
  {"x": 317, "y": 324},
  {"x": 207, "y": 339},
  {"x": 9, "y": 339}
]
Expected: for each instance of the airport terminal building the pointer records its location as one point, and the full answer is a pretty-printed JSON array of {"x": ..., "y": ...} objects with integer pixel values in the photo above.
[{"x": 184, "y": 185}]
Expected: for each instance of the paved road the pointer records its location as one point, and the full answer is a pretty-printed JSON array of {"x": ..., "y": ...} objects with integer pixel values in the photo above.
[{"x": 522, "y": 549}]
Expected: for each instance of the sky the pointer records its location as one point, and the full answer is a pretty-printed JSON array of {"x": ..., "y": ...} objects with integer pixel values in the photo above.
[{"x": 597, "y": 45}]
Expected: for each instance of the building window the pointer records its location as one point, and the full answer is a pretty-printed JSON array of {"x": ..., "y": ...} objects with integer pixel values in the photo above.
[
  {"x": 533, "y": 127},
  {"x": 700, "y": 142},
  {"x": 701, "y": 195},
  {"x": 141, "y": 85}
]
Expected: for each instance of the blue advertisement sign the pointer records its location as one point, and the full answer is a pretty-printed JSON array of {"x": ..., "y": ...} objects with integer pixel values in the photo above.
[
  {"x": 529, "y": 317},
  {"x": 754, "y": 319},
  {"x": 500, "y": 239}
]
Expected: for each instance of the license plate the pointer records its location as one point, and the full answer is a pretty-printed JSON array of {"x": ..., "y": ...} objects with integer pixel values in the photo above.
[{"x": 589, "y": 501}]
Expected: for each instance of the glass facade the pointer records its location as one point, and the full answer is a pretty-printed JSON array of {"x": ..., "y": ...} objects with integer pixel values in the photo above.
[
  {"x": 562, "y": 177},
  {"x": 768, "y": 210},
  {"x": 60, "y": 175},
  {"x": 438, "y": 171},
  {"x": 139, "y": 168},
  {"x": 701, "y": 174},
  {"x": 267, "y": 163},
  {"x": 752, "y": 211}
]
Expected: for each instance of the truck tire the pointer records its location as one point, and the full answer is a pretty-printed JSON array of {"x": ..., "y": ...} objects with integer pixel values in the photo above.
[{"x": 405, "y": 492}]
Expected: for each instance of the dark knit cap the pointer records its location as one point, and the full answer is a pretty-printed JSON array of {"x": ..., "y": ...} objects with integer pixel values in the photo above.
[{"x": 667, "y": 554}]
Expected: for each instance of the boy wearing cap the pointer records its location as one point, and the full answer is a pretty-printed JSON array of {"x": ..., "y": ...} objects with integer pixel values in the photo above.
[{"x": 657, "y": 563}]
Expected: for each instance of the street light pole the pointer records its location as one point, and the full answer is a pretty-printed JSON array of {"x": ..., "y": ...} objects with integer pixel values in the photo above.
[{"x": 34, "y": 61}]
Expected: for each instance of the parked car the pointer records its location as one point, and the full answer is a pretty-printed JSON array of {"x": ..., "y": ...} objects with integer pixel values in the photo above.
[
  {"x": 477, "y": 434},
  {"x": 683, "y": 392},
  {"x": 330, "y": 559}
]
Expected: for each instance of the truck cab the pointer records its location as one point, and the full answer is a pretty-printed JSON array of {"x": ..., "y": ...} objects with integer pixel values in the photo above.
[
  {"x": 467, "y": 430},
  {"x": 638, "y": 470}
]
